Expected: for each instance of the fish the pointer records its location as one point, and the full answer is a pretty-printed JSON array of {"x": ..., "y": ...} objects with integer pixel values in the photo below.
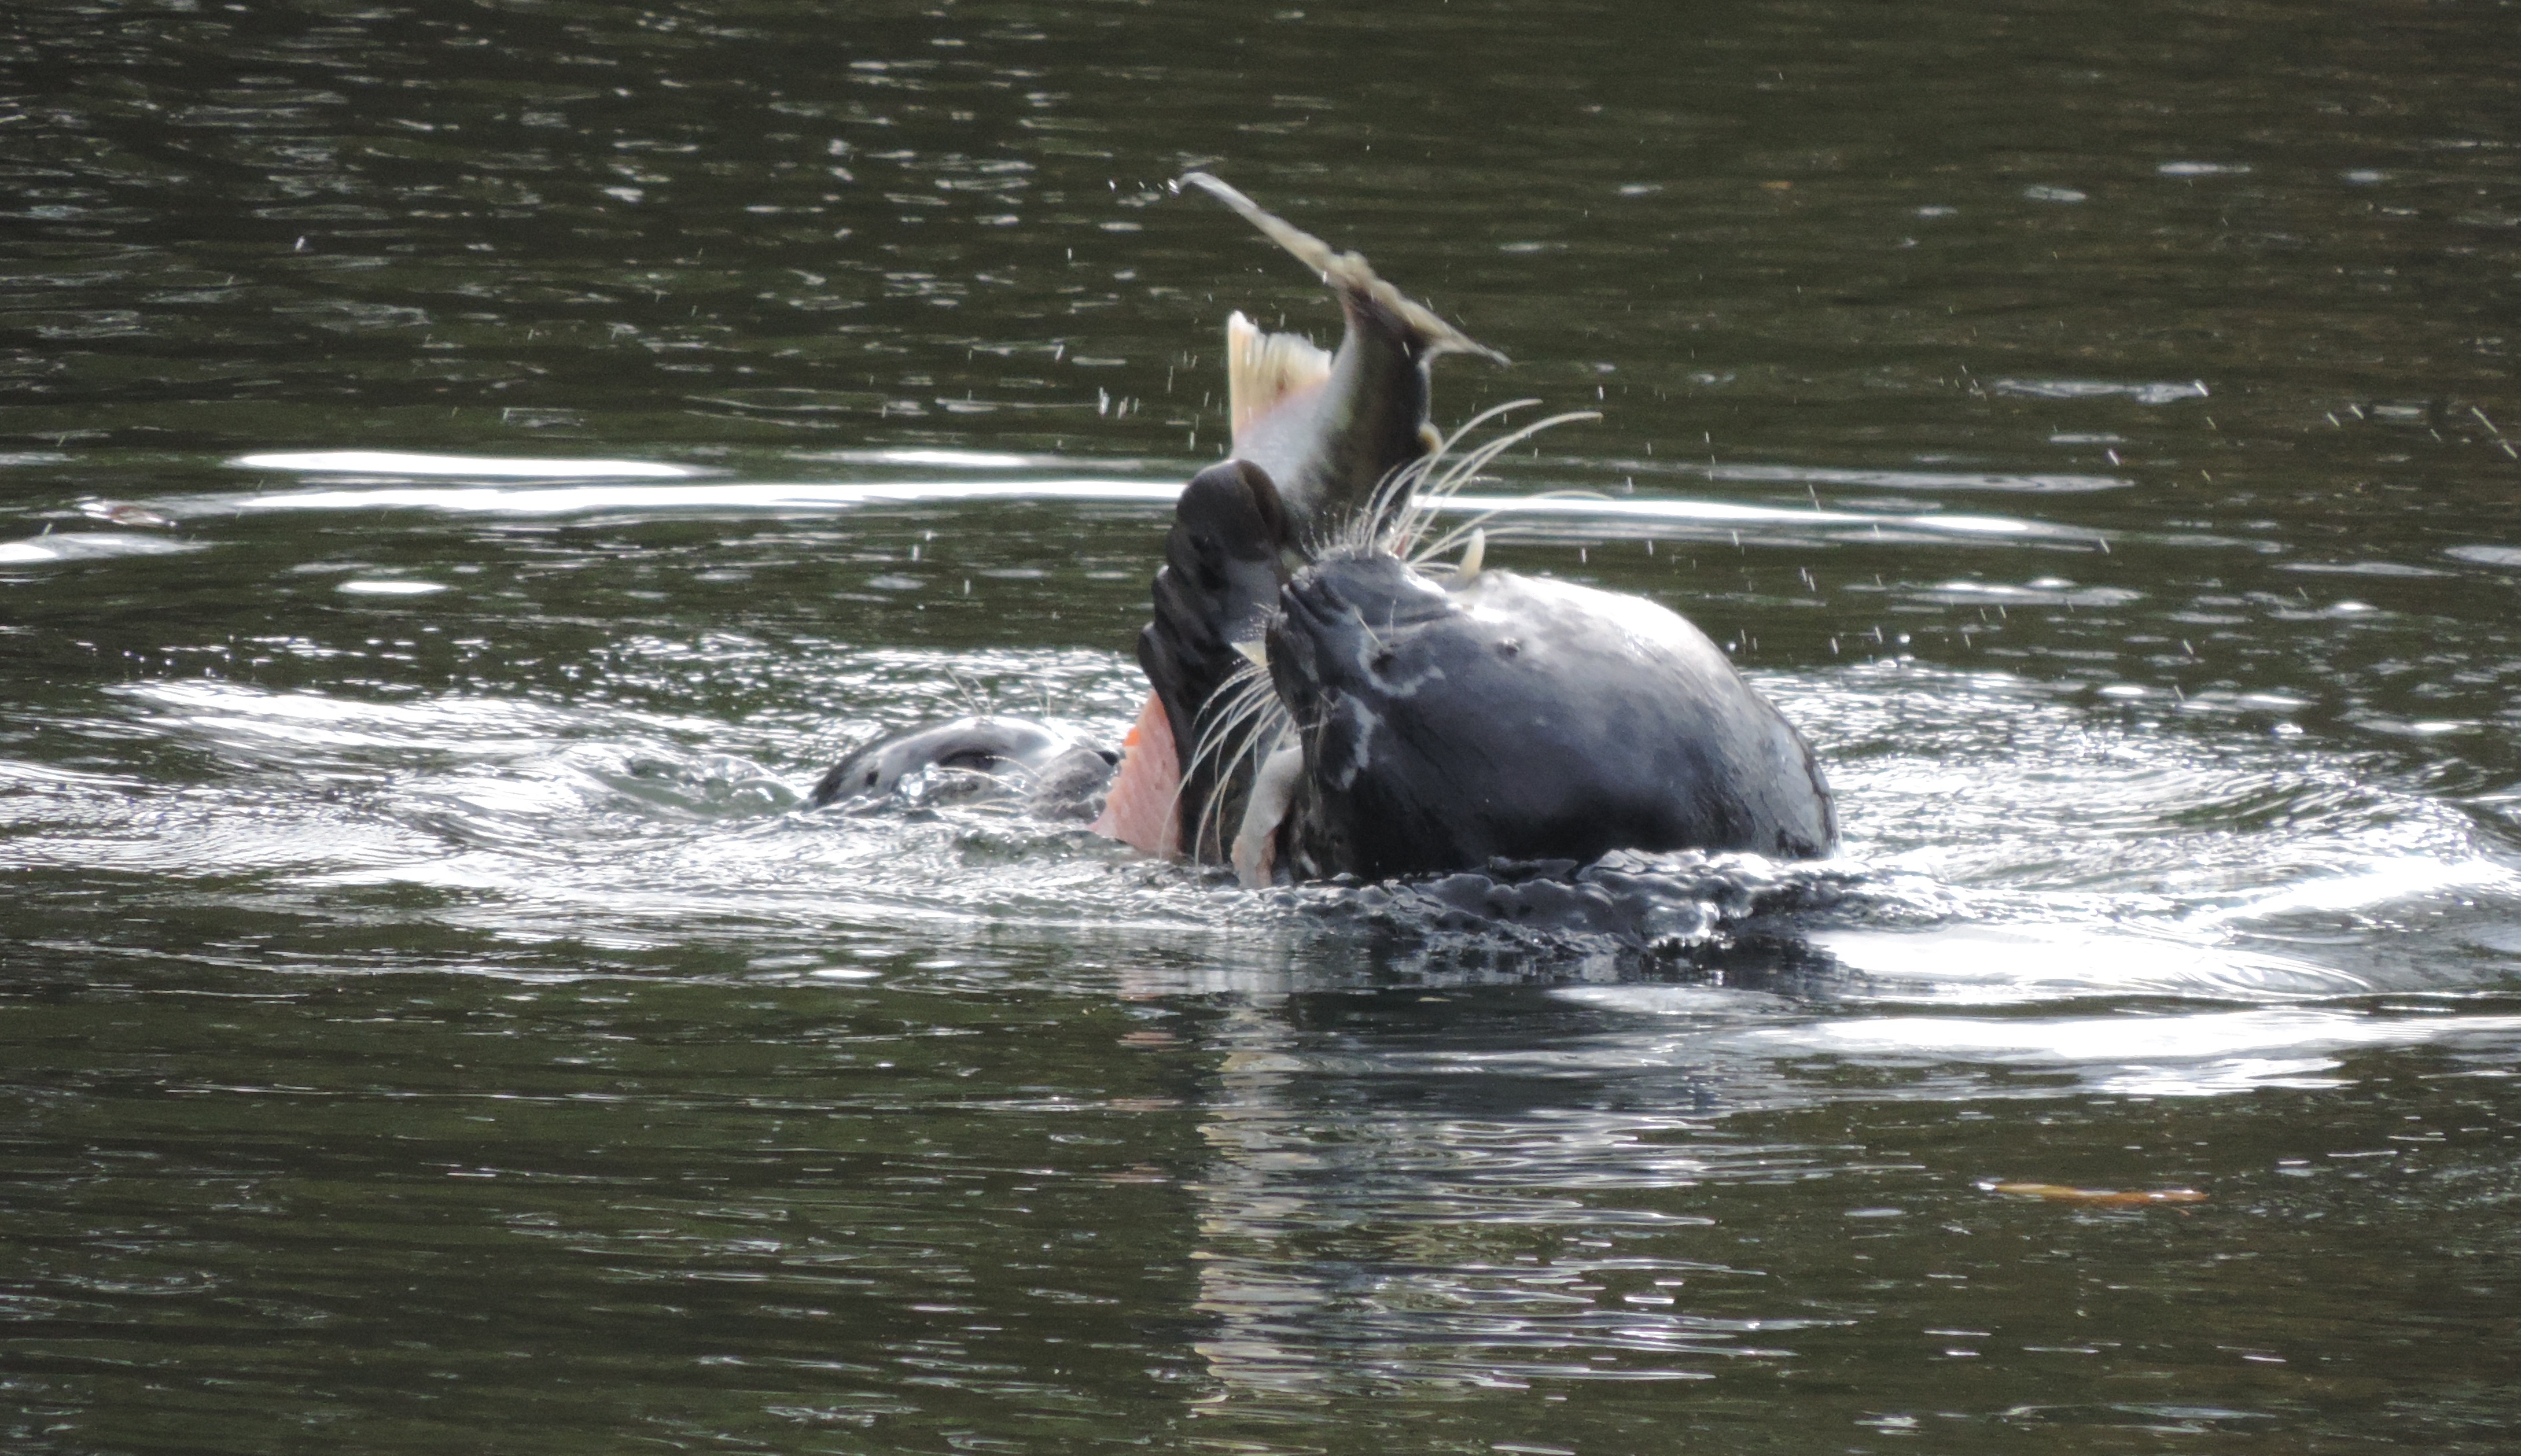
[
  {"x": 1321, "y": 433},
  {"x": 1329, "y": 429}
]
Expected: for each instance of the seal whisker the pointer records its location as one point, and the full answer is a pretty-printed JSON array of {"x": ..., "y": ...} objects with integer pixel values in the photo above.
[
  {"x": 1247, "y": 679},
  {"x": 1450, "y": 474},
  {"x": 1395, "y": 503},
  {"x": 1238, "y": 698},
  {"x": 1391, "y": 502},
  {"x": 1487, "y": 520},
  {"x": 1460, "y": 473},
  {"x": 971, "y": 699},
  {"x": 1235, "y": 705},
  {"x": 1210, "y": 829},
  {"x": 1238, "y": 710},
  {"x": 1249, "y": 751}
]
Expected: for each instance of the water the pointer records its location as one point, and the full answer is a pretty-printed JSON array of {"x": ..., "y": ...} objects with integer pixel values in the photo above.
[{"x": 464, "y": 471}]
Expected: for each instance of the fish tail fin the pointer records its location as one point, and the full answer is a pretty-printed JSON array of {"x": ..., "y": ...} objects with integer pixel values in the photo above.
[
  {"x": 1348, "y": 272},
  {"x": 1263, "y": 370}
]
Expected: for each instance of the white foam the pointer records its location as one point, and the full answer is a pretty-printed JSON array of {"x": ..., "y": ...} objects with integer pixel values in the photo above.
[
  {"x": 949, "y": 459},
  {"x": 64, "y": 546},
  {"x": 2268, "y": 1034},
  {"x": 482, "y": 467},
  {"x": 2390, "y": 882},
  {"x": 574, "y": 499},
  {"x": 2037, "y": 483},
  {"x": 569, "y": 500},
  {"x": 2003, "y": 964},
  {"x": 469, "y": 727},
  {"x": 1727, "y": 513},
  {"x": 391, "y": 588}
]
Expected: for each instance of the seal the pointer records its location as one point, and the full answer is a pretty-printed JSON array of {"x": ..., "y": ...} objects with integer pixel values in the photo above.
[
  {"x": 974, "y": 758},
  {"x": 1331, "y": 696},
  {"x": 1335, "y": 701}
]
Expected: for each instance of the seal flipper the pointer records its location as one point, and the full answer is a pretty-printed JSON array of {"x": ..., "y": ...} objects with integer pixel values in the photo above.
[
  {"x": 1225, "y": 562},
  {"x": 1222, "y": 570}
]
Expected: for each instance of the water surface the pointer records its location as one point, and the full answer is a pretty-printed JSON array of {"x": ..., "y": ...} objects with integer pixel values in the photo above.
[{"x": 465, "y": 471}]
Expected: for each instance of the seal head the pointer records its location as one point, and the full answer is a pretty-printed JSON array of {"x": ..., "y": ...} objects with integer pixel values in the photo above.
[{"x": 1518, "y": 718}]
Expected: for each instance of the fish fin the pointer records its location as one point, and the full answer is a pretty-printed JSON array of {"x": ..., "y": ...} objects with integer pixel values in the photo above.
[
  {"x": 1350, "y": 273},
  {"x": 1139, "y": 809},
  {"x": 1263, "y": 370}
]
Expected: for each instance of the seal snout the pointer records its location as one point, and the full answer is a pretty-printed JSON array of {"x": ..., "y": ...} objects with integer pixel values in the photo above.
[
  {"x": 1350, "y": 620},
  {"x": 1313, "y": 629}
]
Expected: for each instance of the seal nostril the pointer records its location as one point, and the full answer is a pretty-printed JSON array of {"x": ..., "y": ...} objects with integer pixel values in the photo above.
[{"x": 1382, "y": 661}]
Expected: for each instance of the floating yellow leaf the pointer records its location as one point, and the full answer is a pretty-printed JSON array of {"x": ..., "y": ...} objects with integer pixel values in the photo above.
[{"x": 2099, "y": 1197}]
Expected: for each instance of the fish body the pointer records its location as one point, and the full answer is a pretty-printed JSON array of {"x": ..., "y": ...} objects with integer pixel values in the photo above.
[{"x": 1139, "y": 809}]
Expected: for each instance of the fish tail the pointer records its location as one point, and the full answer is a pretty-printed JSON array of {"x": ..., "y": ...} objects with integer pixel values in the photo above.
[
  {"x": 1263, "y": 370},
  {"x": 1349, "y": 273}
]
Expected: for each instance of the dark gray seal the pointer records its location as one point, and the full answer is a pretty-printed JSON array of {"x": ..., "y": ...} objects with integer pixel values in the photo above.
[
  {"x": 1327, "y": 701},
  {"x": 1443, "y": 725}
]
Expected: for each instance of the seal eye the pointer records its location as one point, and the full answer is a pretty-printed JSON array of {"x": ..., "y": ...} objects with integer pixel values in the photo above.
[
  {"x": 1508, "y": 647},
  {"x": 1382, "y": 661}
]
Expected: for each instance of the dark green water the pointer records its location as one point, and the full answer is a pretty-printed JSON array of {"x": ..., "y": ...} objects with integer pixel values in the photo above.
[{"x": 426, "y": 1024}]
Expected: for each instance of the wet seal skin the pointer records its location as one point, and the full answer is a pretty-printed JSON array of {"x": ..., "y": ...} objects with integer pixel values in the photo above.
[{"x": 1518, "y": 718}]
